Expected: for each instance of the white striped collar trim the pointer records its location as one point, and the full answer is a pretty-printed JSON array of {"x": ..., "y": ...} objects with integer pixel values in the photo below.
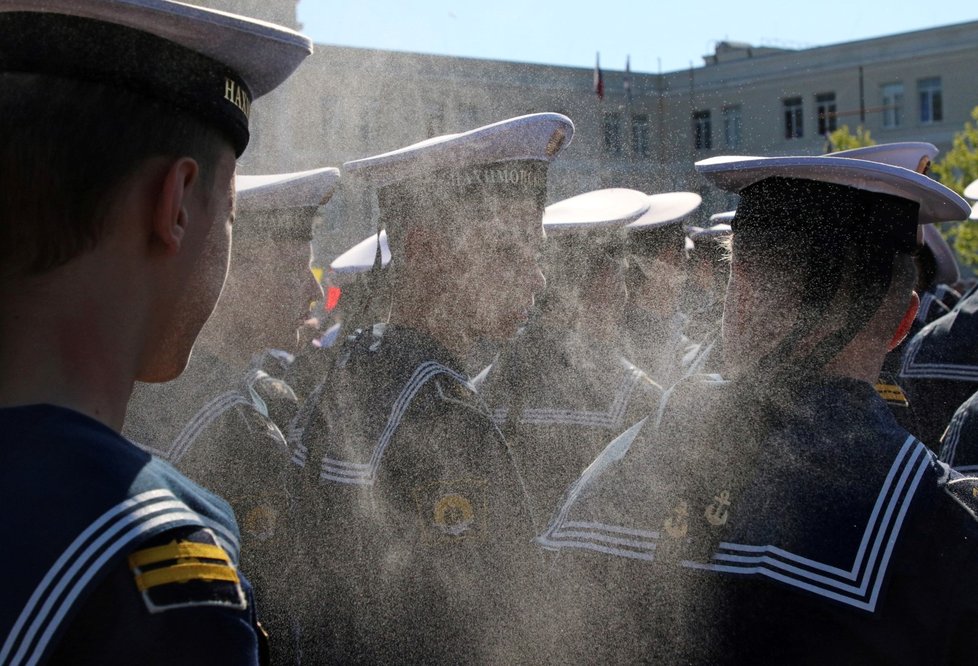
[
  {"x": 62, "y": 586},
  {"x": 950, "y": 371},
  {"x": 209, "y": 413},
  {"x": 923, "y": 309},
  {"x": 858, "y": 586},
  {"x": 341, "y": 471},
  {"x": 612, "y": 417},
  {"x": 951, "y": 438}
]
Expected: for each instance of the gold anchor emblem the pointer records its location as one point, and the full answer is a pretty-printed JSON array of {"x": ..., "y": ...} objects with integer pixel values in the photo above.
[
  {"x": 678, "y": 525},
  {"x": 716, "y": 514}
]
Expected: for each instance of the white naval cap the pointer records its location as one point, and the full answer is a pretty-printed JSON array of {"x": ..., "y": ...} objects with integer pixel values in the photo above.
[
  {"x": 665, "y": 209},
  {"x": 946, "y": 266},
  {"x": 360, "y": 258},
  {"x": 612, "y": 207},
  {"x": 937, "y": 203},
  {"x": 537, "y": 137},
  {"x": 914, "y": 155},
  {"x": 210, "y": 63},
  {"x": 279, "y": 191},
  {"x": 971, "y": 192},
  {"x": 723, "y": 218}
]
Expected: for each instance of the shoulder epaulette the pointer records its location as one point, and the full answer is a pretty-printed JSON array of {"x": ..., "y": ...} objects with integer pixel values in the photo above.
[
  {"x": 891, "y": 393},
  {"x": 190, "y": 571}
]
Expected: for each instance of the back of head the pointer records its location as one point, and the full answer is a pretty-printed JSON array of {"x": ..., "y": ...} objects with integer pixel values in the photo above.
[
  {"x": 66, "y": 149},
  {"x": 821, "y": 254},
  {"x": 90, "y": 89}
]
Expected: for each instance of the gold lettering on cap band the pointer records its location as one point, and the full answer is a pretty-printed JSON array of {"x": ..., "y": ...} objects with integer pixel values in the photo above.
[
  {"x": 237, "y": 96},
  {"x": 497, "y": 176}
]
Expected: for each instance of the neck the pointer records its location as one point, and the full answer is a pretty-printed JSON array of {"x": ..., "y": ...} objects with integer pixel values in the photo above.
[
  {"x": 857, "y": 362},
  {"x": 76, "y": 352}
]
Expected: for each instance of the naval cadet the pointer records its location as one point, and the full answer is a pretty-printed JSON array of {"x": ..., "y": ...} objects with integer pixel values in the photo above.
[
  {"x": 563, "y": 388},
  {"x": 935, "y": 267},
  {"x": 781, "y": 514},
  {"x": 709, "y": 271},
  {"x": 656, "y": 279},
  {"x": 959, "y": 444},
  {"x": 416, "y": 529},
  {"x": 223, "y": 421},
  {"x": 121, "y": 124},
  {"x": 939, "y": 370}
]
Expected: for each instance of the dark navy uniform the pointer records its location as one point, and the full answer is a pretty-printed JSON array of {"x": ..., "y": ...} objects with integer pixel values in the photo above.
[
  {"x": 940, "y": 368},
  {"x": 223, "y": 427},
  {"x": 663, "y": 360},
  {"x": 559, "y": 399},
  {"x": 896, "y": 399},
  {"x": 934, "y": 304},
  {"x": 127, "y": 561},
  {"x": 830, "y": 536},
  {"x": 959, "y": 446},
  {"x": 413, "y": 519}
]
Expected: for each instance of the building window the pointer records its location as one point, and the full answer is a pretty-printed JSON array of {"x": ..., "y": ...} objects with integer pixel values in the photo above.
[
  {"x": 641, "y": 139},
  {"x": 931, "y": 106},
  {"x": 612, "y": 133},
  {"x": 702, "y": 131},
  {"x": 825, "y": 108},
  {"x": 793, "y": 117},
  {"x": 892, "y": 105},
  {"x": 731, "y": 126}
]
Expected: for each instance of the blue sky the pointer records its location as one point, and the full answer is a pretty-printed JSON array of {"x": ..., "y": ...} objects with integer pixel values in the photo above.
[{"x": 651, "y": 31}]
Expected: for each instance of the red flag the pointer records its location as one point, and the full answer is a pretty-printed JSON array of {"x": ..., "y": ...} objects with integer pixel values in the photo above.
[
  {"x": 598, "y": 77},
  {"x": 332, "y": 297}
]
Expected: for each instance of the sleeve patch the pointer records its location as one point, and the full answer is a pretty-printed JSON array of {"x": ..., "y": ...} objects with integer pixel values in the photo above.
[
  {"x": 190, "y": 571},
  {"x": 891, "y": 393}
]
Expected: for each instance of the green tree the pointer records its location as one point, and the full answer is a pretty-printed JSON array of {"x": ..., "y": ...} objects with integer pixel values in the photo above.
[
  {"x": 843, "y": 139},
  {"x": 957, "y": 169}
]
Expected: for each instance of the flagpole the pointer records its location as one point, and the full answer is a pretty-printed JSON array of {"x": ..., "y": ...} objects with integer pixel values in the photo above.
[
  {"x": 599, "y": 91},
  {"x": 629, "y": 128}
]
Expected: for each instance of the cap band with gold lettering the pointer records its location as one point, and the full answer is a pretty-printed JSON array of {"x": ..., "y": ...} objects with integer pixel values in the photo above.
[{"x": 81, "y": 48}]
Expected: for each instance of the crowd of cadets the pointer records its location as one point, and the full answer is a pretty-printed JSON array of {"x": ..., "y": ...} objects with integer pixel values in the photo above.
[{"x": 614, "y": 428}]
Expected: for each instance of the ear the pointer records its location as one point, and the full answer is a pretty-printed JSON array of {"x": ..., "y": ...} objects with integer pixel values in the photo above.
[
  {"x": 906, "y": 322},
  {"x": 171, "y": 217}
]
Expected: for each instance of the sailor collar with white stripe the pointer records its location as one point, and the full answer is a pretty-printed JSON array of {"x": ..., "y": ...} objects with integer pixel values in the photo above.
[
  {"x": 713, "y": 231},
  {"x": 830, "y": 554},
  {"x": 212, "y": 64}
]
